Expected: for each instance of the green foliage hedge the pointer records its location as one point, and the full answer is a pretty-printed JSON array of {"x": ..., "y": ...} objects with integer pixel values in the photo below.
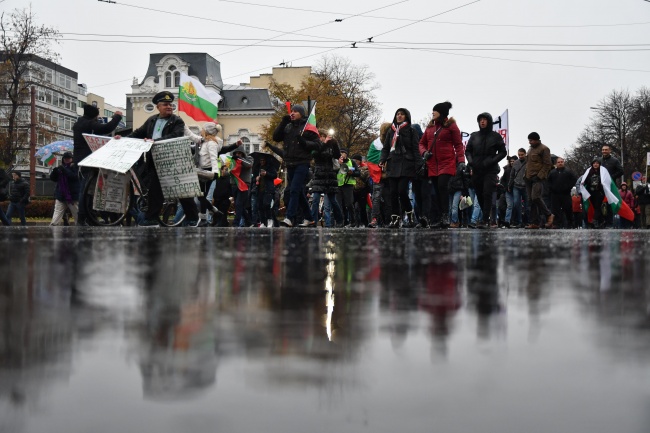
[{"x": 40, "y": 207}]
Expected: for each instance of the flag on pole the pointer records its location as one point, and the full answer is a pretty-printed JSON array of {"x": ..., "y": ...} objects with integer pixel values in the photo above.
[
  {"x": 196, "y": 101},
  {"x": 373, "y": 158},
  {"x": 49, "y": 159},
  {"x": 311, "y": 122}
]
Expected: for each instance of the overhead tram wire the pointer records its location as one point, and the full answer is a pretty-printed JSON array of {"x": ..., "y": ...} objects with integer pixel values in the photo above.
[{"x": 442, "y": 22}]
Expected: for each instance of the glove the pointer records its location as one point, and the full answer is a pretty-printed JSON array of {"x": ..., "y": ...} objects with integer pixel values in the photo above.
[
  {"x": 286, "y": 118},
  {"x": 302, "y": 141},
  {"x": 460, "y": 168},
  {"x": 427, "y": 155}
]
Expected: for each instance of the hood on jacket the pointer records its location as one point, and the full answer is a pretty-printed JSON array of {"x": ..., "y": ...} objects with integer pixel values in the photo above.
[
  {"x": 488, "y": 117},
  {"x": 241, "y": 149},
  {"x": 408, "y": 115}
]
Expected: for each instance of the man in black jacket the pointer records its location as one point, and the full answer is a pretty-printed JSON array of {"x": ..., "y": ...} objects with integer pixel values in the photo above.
[
  {"x": 4, "y": 193},
  {"x": 88, "y": 124},
  {"x": 297, "y": 157},
  {"x": 560, "y": 181},
  {"x": 612, "y": 164},
  {"x": 162, "y": 126},
  {"x": 18, "y": 197},
  {"x": 642, "y": 195},
  {"x": 485, "y": 149}
]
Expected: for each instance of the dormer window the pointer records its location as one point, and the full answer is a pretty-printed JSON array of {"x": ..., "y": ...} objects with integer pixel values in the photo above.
[{"x": 172, "y": 77}]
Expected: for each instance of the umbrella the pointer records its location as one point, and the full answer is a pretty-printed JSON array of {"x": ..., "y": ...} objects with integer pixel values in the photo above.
[
  {"x": 271, "y": 161},
  {"x": 56, "y": 147}
]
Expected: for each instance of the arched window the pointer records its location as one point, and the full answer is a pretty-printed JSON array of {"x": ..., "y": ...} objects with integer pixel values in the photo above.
[
  {"x": 172, "y": 77},
  {"x": 168, "y": 79},
  {"x": 177, "y": 79}
]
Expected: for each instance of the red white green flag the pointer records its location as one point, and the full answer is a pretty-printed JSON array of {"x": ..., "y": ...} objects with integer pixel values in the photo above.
[
  {"x": 373, "y": 158},
  {"x": 311, "y": 122},
  {"x": 612, "y": 196},
  {"x": 196, "y": 101},
  {"x": 49, "y": 159},
  {"x": 234, "y": 166}
]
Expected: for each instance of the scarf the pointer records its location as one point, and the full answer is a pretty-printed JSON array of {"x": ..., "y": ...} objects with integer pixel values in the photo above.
[{"x": 396, "y": 130}]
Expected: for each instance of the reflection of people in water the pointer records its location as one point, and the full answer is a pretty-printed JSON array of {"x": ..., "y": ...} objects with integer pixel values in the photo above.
[
  {"x": 482, "y": 285},
  {"x": 179, "y": 355}
]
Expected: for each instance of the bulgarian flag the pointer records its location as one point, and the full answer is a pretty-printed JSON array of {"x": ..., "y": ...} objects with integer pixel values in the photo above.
[
  {"x": 373, "y": 158},
  {"x": 612, "y": 196},
  {"x": 234, "y": 166},
  {"x": 311, "y": 122},
  {"x": 196, "y": 101},
  {"x": 49, "y": 159}
]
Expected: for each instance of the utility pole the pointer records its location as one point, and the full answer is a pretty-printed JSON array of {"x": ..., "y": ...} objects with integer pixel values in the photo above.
[{"x": 32, "y": 145}]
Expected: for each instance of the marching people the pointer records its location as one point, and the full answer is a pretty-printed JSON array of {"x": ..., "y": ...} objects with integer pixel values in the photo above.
[
  {"x": 592, "y": 189},
  {"x": 379, "y": 182},
  {"x": 347, "y": 179},
  {"x": 18, "y": 197},
  {"x": 561, "y": 181},
  {"x": 505, "y": 182},
  {"x": 538, "y": 166},
  {"x": 628, "y": 198},
  {"x": 88, "y": 124},
  {"x": 485, "y": 149},
  {"x": 442, "y": 148},
  {"x": 576, "y": 204},
  {"x": 295, "y": 136},
  {"x": 222, "y": 197},
  {"x": 360, "y": 191},
  {"x": 162, "y": 126},
  {"x": 325, "y": 181},
  {"x": 642, "y": 194},
  {"x": 206, "y": 155},
  {"x": 66, "y": 192},
  {"x": 398, "y": 157},
  {"x": 240, "y": 179},
  {"x": 615, "y": 170},
  {"x": 265, "y": 171},
  {"x": 517, "y": 186}
]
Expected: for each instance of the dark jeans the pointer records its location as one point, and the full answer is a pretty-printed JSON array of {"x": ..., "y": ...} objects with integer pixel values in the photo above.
[
  {"x": 346, "y": 198},
  {"x": 334, "y": 204},
  {"x": 399, "y": 195},
  {"x": 241, "y": 203},
  {"x": 20, "y": 208},
  {"x": 361, "y": 200},
  {"x": 485, "y": 185},
  {"x": 84, "y": 176},
  {"x": 297, "y": 179},
  {"x": 4, "y": 219},
  {"x": 440, "y": 185}
]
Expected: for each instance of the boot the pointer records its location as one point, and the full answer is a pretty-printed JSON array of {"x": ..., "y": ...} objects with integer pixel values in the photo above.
[
  {"x": 410, "y": 220},
  {"x": 423, "y": 223},
  {"x": 394, "y": 222},
  {"x": 444, "y": 222}
]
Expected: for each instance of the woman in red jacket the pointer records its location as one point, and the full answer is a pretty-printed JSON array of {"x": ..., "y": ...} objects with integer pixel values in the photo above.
[
  {"x": 442, "y": 148},
  {"x": 628, "y": 198}
]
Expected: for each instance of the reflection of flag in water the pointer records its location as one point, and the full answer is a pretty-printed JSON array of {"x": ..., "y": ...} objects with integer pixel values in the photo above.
[
  {"x": 373, "y": 158},
  {"x": 612, "y": 196},
  {"x": 234, "y": 166}
]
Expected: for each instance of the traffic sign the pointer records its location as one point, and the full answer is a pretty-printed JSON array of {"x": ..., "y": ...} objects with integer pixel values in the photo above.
[{"x": 636, "y": 175}]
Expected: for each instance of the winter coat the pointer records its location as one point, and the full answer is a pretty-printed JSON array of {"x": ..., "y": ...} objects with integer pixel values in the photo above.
[
  {"x": 174, "y": 128},
  {"x": 538, "y": 162},
  {"x": 517, "y": 175},
  {"x": 246, "y": 172},
  {"x": 485, "y": 148},
  {"x": 19, "y": 191},
  {"x": 561, "y": 181},
  {"x": 325, "y": 180},
  {"x": 288, "y": 132},
  {"x": 84, "y": 125},
  {"x": 613, "y": 166},
  {"x": 209, "y": 155},
  {"x": 401, "y": 160},
  {"x": 448, "y": 149},
  {"x": 628, "y": 198},
  {"x": 505, "y": 177},
  {"x": 71, "y": 174},
  {"x": 643, "y": 193}
]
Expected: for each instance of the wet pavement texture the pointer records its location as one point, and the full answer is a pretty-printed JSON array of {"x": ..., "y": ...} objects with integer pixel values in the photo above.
[{"x": 290, "y": 330}]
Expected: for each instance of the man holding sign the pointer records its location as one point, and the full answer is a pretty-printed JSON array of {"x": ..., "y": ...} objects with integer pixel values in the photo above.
[
  {"x": 89, "y": 124},
  {"x": 162, "y": 126}
]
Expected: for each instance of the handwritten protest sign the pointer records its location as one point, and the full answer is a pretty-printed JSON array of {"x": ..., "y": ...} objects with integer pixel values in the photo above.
[
  {"x": 96, "y": 141},
  {"x": 110, "y": 191},
  {"x": 176, "y": 169},
  {"x": 117, "y": 155}
]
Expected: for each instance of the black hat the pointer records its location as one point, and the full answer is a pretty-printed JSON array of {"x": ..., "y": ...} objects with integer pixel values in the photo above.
[
  {"x": 17, "y": 173},
  {"x": 343, "y": 150},
  {"x": 298, "y": 108},
  {"x": 357, "y": 157},
  {"x": 90, "y": 111},
  {"x": 163, "y": 96},
  {"x": 67, "y": 155},
  {"x": 443, "y": 108},
  {"x": 533, "y": 136}
]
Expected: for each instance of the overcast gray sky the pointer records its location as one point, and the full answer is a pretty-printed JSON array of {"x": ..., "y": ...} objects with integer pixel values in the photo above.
[{"x": 482, "y": 55}]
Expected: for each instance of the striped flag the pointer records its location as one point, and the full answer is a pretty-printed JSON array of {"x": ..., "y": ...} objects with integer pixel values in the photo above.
[
  {"x": 612, "y": 196},
  {"x": 196, "y": 101},
  {"x": 372, "y": 159},
  {"x": 234, "y": 166},
  {"x": 311, "y": 122}
]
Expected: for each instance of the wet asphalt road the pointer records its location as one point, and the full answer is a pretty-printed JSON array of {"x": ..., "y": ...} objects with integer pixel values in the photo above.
[{"x": 278, "y": 330}]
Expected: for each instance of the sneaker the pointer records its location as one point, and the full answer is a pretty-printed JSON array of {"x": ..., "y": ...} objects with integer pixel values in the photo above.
[
  {"x": 270, "y": 223},
  {"x": 286, "y": 223},
  {"x": 549, "y": 221},
  {"x": 307, "y": 223},
  {"x": 149, "y": 223},
  {"x": 191, "y": 223}
]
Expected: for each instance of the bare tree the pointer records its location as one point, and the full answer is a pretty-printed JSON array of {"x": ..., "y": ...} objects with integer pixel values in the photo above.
[{"x": 21, "y": 38}]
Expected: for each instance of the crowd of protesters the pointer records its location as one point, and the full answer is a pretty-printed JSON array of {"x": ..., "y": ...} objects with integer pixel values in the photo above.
[{"x": 422, "y": 179}]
